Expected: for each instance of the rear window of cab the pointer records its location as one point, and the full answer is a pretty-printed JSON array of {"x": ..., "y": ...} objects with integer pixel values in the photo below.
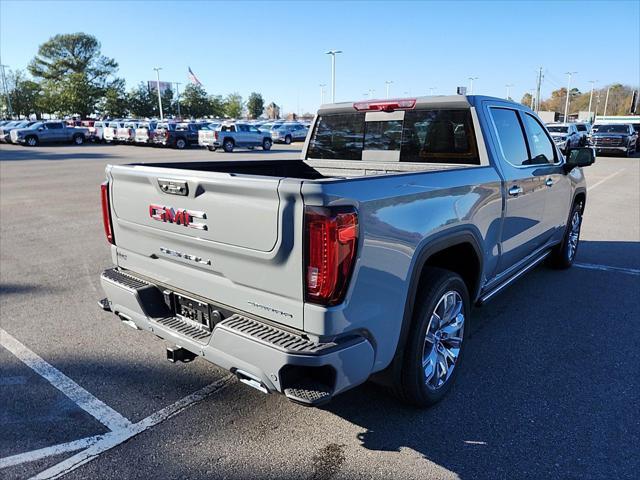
[{"x": 421, "y": 136}]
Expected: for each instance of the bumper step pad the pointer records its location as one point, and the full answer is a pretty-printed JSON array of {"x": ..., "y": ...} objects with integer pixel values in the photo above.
[{"x": 309, "y": 394}]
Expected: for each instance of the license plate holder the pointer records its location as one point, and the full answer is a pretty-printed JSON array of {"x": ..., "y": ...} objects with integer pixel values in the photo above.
[{"x": 193, "y": 311}]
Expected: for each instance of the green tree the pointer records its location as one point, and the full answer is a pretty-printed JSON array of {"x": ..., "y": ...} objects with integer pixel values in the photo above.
[
  {"x": 115, "y": 102},
  {"x": 216, "y": 106},
  {"x": 24, "y": 94},
  {"x": 233, "y": 105},
  {"x": 526, "y": 99},
  {"x": 194, "y": 101},
  {"x": 142, "y": 102},
  {"x": 74, "y": 73},
  {"x": 167, "y": 103},
  {"x": 255, "y": 105}
]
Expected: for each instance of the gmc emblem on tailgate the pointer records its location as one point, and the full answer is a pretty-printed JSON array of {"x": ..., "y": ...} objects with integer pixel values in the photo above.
[{"x": 179, "y": 216}]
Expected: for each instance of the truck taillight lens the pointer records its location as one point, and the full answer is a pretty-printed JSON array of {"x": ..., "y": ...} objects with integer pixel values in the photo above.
[
  {"x": 106, "y": 213},
  {"x": 215, "y": 136},
  {"x": 331, "y": 240}
]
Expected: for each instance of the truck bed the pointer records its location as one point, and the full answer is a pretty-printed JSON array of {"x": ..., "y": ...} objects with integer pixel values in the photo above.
[{"x": 306, "y": 169}]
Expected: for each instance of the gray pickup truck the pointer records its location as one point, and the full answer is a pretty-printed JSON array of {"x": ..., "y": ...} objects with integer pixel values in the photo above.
[
  {"x": 49, "y": 132},
  {"x": 362, "y": 259}
]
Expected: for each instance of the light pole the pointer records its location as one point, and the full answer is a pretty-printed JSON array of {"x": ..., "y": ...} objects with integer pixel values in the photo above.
[
  {"x": 431, "y": 90},
  {"x": 471, "y": 79},
  {"x": 592, "y": 82},
  {"x": 322, "y": 85},
  {"x": 388, "y": 84},
  {"x": 606, "y": 102},
  {"x": 333, "y": 54},
  {"x": 566, "y": 103},
  {"x": 178, "y": 96},
  {"x": 157, "y": 69},
  {"x": 509, "y": 85},
  {"x": 371, "y": 92},
  {"x": 6, "y": 92}
]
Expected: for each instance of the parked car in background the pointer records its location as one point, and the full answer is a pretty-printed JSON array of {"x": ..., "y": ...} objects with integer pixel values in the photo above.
[
  {"x": 110, "y": 133},
  {"x": 205, "y": 134},
  {"x": 127, "y": 132},
  {"x": 232, "y": 135},
  {"x": 565, "y": 136},
  {"x": 615, "y": 138},
  {"x": 144, "y": 133},
  {"x": 96, "y": 132},
  {"x": 176, "y": 135},
  {"x": 289, "y": 132},
  {"x": 50, "y": 132},
  {"x": 5, "y": 130}
]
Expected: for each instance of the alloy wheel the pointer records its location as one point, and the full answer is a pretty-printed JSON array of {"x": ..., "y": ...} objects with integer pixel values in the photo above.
[
  {"x": 574, "y": 235},
  {"x": 443, "y": 340}
]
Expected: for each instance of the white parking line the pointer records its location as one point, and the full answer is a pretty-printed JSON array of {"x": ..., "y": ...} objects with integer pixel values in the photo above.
[
  {"x": 606, "y": 268},
  {"x": 113, "y": 439},
  {"x": 609, "y": 177},
  {"x": 94, "y": 407},
  {"x": 48, "y": 451}
]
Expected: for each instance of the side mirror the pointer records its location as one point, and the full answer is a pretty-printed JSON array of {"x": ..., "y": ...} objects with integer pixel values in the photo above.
[
  {"x": 40, "y": 129},
  {"x": 580, "y": 157}
]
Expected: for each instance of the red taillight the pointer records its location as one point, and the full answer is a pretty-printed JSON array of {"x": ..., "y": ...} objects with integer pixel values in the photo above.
[
  {"x": 331, "y": 241},
  {"x": 215, "y": 135},
  {"x": 386, "y": 105},
  {"x": 106, "y": 213}
]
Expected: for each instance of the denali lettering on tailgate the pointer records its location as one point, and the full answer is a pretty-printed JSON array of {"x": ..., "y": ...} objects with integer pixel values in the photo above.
[{"x": 179, "y": 216}]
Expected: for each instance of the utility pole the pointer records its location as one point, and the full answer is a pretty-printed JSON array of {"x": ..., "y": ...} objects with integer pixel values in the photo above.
[
  {"x": 592, "y": 82},
  {"x": 157, "y": 69},
  {"x": 333, "y": 54},
  {"x": 178, "y": 96},
  {"x": 322, "y": 85},
  {"x": 597, "y": 104},
  {"x": 431, "y": 90},
  {"x": 388, "y": 84},
  {"x": 371, "y": 92},
  {"x": 538, "y": 87},
  {"x": 606, "y": 102},
  {"x": 566, "y": 103},
  {"x": 509, "y": 85},
  {"x": 471, "y": 79},
  {"x": 6, "y": 92}
]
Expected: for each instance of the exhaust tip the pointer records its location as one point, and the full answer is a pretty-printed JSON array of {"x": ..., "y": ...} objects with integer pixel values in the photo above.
[{"x": 250, "y": 380}]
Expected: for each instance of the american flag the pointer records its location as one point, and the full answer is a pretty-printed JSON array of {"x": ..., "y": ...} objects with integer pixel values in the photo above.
[{"x": 193, "y": 78}]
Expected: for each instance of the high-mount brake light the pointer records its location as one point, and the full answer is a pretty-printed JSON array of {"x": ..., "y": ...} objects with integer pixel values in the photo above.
[
  {"x": 331, "y": 240},
  {"x": 385, "y": 105},
  {"x": 106, "y": 213}
]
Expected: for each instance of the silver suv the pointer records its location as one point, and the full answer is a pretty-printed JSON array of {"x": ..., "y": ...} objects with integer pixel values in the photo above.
[{"x": 289, "y": 132}]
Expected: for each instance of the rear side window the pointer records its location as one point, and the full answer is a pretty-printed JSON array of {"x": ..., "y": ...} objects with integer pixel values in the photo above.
[
  {"x": 540, "y": 145},
  {"x": 54, "y": 126},
  {"x": 510, "y": 136}
]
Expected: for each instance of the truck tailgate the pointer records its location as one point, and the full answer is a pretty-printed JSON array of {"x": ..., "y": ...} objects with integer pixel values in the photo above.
[{"x": 223, "y": 236}]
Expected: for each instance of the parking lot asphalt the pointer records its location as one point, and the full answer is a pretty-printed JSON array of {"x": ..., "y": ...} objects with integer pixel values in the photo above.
[{"x": 550, "y": 387}]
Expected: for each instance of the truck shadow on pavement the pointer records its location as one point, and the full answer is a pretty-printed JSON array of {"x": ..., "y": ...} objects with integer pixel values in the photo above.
[
  {"x": 50, "y": 153},
  {"x": 551, "y": 370}
]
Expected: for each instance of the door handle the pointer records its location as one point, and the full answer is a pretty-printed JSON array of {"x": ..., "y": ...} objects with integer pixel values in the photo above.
[
  {"x": 515, "y": 191},
  {"x": 549, "y": 182}
]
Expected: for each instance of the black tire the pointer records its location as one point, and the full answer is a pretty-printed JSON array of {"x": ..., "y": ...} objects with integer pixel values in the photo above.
[
  {"x": 267, "y": 144},
  {"x": 211, "y": 148},
  {"x": 228, "y": 145},
  {"x": 77, "y": 139},
  {"x": 412, "y": 385},
  {"x": 563, "y": 255},
  {"x": 31, "y": 141},
  {"x": 181, "y": 143},
  {"x": 287, "y": 140}
]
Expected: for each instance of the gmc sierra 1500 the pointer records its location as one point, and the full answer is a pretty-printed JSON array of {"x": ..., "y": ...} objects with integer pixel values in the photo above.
[{"x": 364, "y": 257}]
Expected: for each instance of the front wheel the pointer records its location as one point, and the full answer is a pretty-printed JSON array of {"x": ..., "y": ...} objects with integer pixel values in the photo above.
[
  {"x": 563, "y": 255},
  {"x": 181, "y": 144},
  {"x": 32, "y": 141},
  {"x": 436, "y": 340},
  {"x": 78, "y": 139},
  {"x": 287, "y": 140},
  {"x": 211, "y": 148},
  {"x": 266, "y": 144}
]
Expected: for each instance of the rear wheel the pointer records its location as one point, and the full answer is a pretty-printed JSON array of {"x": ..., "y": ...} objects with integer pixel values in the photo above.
[
  {"x": 228, "y": 145},
  {"x": 78, "y": 139},
  {"x": 436, "y": 340},
  {"x": 563, "y": 255},
  {"x": 181, "y": 144},
  {"x": 266, "y": 144},
  {"x": 211, "y": 148},
  {"x": 31, "y": 141}
]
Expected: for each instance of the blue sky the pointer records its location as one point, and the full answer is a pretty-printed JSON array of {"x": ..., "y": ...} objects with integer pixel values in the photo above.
[{"x": 277, "y": 48}]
